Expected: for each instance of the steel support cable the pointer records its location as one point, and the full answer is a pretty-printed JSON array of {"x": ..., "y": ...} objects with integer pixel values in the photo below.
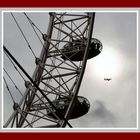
[
  {"x": 16, "y": 68},
  {"x": 43, "y": 94},
  {"x": 31, "y": 21},
  {"x": 9, "y": 90},
  {"x": 29, "y": 46},
  {"x": 33, "y": 25},
  {"x": 50, "y": 110},
  {"x": 18, "y": 109},
  {"x": 13, "y": 82},
  {"x": 38, "y": 70}
]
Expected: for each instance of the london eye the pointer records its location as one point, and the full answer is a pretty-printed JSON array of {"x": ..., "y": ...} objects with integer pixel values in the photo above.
[{"x": 51, "y": 97}]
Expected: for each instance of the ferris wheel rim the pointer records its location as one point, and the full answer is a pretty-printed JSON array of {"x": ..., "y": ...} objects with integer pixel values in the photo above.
[{"x": 67, "y": 115}]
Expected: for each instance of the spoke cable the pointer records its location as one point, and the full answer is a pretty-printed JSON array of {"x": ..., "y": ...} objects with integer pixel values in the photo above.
[
  {"x": 29, "y": 46},
  {"x": 33, "y": 25},
  {"x": 13, "y": 82},
  {"x": 9, "y": 90},
  {"x": 36, "y": 86},
  {"x": 15, "y": 67}
]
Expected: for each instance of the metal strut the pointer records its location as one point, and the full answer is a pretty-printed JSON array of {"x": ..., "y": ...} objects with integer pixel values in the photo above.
[
  {"x": 58, "y": 78},
  {"x": 36, "y": 77},
  {"x": 72, "y": 103},
  {"x": 36, "y": 86}
]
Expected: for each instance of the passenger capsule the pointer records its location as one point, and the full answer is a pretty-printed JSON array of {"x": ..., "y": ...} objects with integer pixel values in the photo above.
[
  {"x": 81, "y": 107},
  {"x": 75, "y": 50}
]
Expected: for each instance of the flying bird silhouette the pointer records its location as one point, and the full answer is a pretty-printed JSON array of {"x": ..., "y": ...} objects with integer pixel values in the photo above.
[{"x": 107, "y": 79}]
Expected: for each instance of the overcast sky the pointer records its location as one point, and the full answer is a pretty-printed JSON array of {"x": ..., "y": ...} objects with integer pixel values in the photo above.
[{"x": 113, "y": 103}]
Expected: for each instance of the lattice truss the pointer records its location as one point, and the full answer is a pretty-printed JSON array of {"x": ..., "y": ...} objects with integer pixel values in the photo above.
[{"x": 58, "y": 73}]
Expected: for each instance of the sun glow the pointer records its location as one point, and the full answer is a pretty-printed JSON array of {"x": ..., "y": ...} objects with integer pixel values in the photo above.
[{"x": 107, "y": 64}]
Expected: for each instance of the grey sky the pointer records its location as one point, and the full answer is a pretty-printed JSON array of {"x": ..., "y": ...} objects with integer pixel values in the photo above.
[{"x": 113, "y": 104}]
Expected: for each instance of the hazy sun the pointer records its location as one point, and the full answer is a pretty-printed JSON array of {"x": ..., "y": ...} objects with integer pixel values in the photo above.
[{"x": 107, "y": 64}]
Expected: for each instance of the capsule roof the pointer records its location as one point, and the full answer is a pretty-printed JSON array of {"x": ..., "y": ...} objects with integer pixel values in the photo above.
[{"x": 75, "y": 49}]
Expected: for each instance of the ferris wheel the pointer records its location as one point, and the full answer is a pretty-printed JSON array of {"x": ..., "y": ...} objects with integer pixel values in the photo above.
[{"x": 51, "y": 97}]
